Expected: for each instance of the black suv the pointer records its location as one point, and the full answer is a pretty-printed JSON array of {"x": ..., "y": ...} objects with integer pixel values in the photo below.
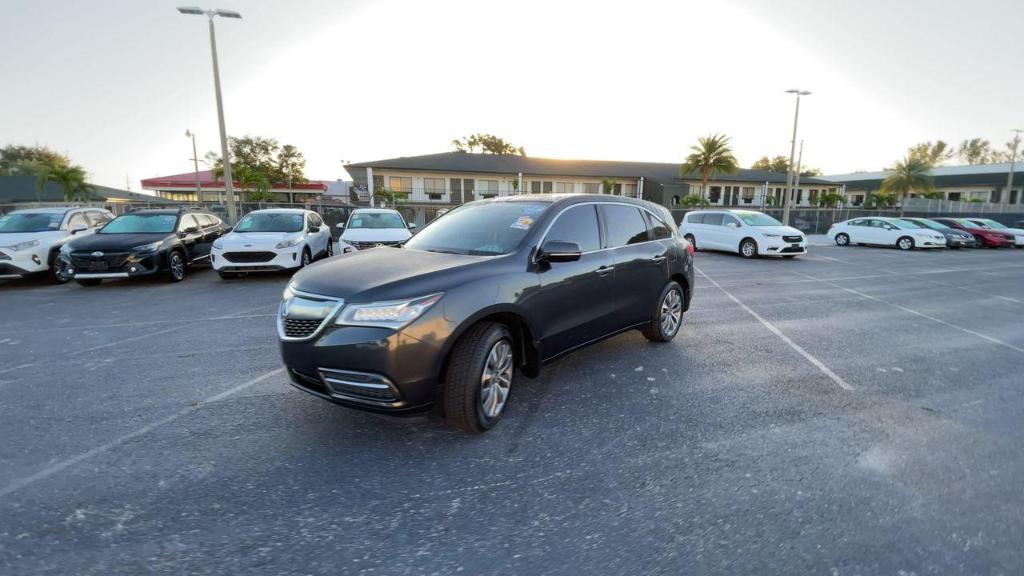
[
  {"x": 143, "y": 243},
  {"x": 494, "y": 289}
]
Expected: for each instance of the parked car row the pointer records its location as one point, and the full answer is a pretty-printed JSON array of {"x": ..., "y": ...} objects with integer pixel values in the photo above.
[{"x": 911, "y": 233}]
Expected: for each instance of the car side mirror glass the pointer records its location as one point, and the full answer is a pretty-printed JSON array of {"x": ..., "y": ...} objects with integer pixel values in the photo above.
[
  {"x": 339, "y": 225},
  {"x": 559, "y": 251},
  {"x": 412, "y": 225},
  {"x": 314, "y": 229},
  {"x": 732, "y": 225}
]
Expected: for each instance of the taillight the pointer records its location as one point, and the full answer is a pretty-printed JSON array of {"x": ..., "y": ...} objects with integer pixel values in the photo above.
[{"x": 689, "y": 249}]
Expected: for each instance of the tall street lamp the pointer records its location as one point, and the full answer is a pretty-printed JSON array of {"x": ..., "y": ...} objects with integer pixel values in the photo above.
[
  {"x": 1013, "y": 160},
  {"x": 225, "y": 156},
  {"x": 792, "y": 157},
  {"x": 195, "y": 159}
]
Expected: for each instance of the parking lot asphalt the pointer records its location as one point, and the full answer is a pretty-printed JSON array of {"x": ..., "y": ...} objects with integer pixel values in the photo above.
[{"x": 853, "y": 411}]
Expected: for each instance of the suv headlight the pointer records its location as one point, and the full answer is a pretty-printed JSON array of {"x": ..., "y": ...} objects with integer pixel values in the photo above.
[
  {"x": 147, "y": 248},
  {"x": 217, "y": 244},
  {"x": 394, "y": 314},
  {"x": 288, "y": 243},
  {"x": 24, "y": 245}
]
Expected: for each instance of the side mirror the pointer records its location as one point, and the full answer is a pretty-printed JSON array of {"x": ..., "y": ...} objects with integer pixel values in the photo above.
[
  {"x": 412, "y": 225},
  {"x": 732, "y": 225},
  {"x": 314, "y": 229},
  {"x": 559, "y": 251},
  {"x": 339, "y": 225},
  {"x": 75, "y": 229}
]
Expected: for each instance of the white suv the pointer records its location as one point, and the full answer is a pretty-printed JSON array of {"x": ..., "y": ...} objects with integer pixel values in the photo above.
[
  {"x": 31, "y": 239},
  {"x": 272, "y": 240},
  {"x": 371, "y": 227},
  {"x": 745, "y": 232}
]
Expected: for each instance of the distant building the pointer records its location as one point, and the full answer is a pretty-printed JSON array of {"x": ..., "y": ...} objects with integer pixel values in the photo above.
[
  {"x": 23, "y": 191},
  {"x": 183, "y": 188},
  {"x": 435, "y": 181},
  {"x": 984, "y": 183}
]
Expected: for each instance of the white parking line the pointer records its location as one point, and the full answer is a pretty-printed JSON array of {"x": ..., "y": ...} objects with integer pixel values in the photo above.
[
  {"x": 921, "y": 314},
  {"x": 51, "y": 470},
  {"x": 774, "y": 330}
]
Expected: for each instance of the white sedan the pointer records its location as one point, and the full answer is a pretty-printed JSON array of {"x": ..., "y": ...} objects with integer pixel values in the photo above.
[
  {"x": 885, "y": 232},
  {"x": 272, "y": 240}
]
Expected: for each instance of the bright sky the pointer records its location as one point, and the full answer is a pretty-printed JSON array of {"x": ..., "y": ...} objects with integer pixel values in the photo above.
[{"x": 115, "y": 84}]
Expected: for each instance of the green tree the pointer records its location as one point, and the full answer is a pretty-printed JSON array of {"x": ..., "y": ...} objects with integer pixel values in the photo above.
[
  {"x": 608, "y": 186},
  {"x": 694, "y": 201},
  {"x": 779, "y": 164},
  {"x": 908, "y": 176},
  {"x": 261, "y": 158},
  {"x": 975, "y": 151},
  {"x": 934, "y": 153},
  {"x": 882, "y": 200},
  {"x": 392, "y": 196},
  {"x": 71, "y": 179},
  {"x": 17, "y": 160},
  {"x": 830, "y": 199},
  {"x": 291, "y": 165},
  {"x": 487, "y": 144},
  {"x": 711, "y": 156}
]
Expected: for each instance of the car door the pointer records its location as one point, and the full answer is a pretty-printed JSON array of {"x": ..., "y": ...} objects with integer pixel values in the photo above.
[
  {"x": 640, "y": 263},
  {"x": 730, "y": 233},
  {"x": 191, "y": 235},
  {"x": 711, "y": 233},
  {"x": 314, "y": 238},
  {"x": 884, "y": 233},
  {"x": 575, "y": 302}
]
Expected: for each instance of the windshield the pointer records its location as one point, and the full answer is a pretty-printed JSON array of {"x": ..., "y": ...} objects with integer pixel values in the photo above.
[
  {"x": 141, "y": 224},
  {"x": 930, "y": 224},
  {"x": 270, "y": 222},
  {"x": 375, "y": 220},
  {"x": 757, "y": 219},
  {"x": 986, "y": 223},
  {"x": 485, "y": 229},
  {"x": 30, "y": 222},
  {"x": 966, "y": 223},
  {"x": 908, "y": 224}
]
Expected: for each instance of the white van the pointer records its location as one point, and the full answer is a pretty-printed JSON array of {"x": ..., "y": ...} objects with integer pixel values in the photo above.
[
  {"x": 746, "y": 232},
  {"x": 372, "y": 227}
]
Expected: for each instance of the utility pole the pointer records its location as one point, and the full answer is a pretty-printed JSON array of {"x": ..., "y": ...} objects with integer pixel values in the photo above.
[
  {"x": 195, "y": 160},
  {"x": 786, "y": 200},
  {"x": 1013, "y": 161},
  {"x": 799, "y": 166}
]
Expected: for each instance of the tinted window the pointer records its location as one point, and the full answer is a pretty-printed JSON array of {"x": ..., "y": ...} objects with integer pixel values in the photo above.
[
  {"x": 188, "y": 221},
  {"x": 730, "y": 220},
  {"x": 30, "y": 222},
  {"x": 270, "y": 222},
  {"x": 697, "y": 218},
  {"x": 207, "y": 220},
  {"x": 375, "y": 220},
  {"x": 141, "y": 224},
  {"x": 624, "y": 225},
  {"x": 659, "y": 229},
  {"x": 483, "y": 229},
  {"x": 77, "y": 219},
  {"x": 713, "y": 219},
  {"x": 577, "y": 224},
  {"x": 758, "y": 219}
]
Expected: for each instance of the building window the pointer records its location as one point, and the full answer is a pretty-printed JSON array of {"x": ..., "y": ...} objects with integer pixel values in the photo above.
[
  {"x": 535, "y": 187},
  {"x": 488, "y": 188},
  {"x": 715, "y": 195},
  {"x": 629, "y": 190},
  {"x": 675, "y": 200},
  {"x": 548, "y": 187},
  {"x": 954, "y": 196},
  {"x": 564, "y": 187},
  {"x": 433, "y": 186},
  {"x": 591, "y": 188},
  {"x": 748, "y": 194},
  {"x": 400, "y": 183},
  {"x": 378, "y": 183}
]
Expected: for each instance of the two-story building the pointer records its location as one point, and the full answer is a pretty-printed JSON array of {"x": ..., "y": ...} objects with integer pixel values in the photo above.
[{"x": 425, "y": 184}]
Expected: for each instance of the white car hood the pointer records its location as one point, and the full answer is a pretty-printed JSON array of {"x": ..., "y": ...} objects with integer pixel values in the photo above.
[
  {"x": 375, "y": 235},
  {"x": 254, "y": 240},
  {"x": 782, "y": 230},
  {"x": 45, "y": 238}
]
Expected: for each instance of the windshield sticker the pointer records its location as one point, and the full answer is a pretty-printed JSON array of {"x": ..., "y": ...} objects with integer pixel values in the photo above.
[{"x": 523, "y": 223}]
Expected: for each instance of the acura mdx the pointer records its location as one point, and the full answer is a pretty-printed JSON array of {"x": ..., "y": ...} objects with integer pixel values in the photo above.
[{"x": 494, "y": 290}]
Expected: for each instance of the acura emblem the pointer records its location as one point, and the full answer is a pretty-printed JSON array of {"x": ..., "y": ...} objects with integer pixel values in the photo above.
[{"x": 97, "y": 254}]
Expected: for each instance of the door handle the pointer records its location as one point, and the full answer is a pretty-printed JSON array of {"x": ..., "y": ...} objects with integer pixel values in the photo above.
[
  {"x": 658, "y": 259},
  {"x": 604, "y": 270}
]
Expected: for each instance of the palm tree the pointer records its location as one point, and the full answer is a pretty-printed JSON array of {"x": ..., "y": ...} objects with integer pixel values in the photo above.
[
  {"x": 907, "y": 176},
  {"x": 70, "y": 178},
  {"x": 711, "y": 156}
]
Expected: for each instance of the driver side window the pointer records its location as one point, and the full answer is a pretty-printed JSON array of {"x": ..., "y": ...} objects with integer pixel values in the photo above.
[
  {"x": 187, "y": 221},
  {"x": 727, "y": 220},
  {"x": 77, "y": 220},
  {"x": 577, "y": 224}
]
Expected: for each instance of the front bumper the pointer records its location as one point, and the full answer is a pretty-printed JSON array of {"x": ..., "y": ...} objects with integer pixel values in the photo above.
[
  {"x": 113, "y": 265},
  {"x": 782, "y": 247},
  {"x": 22, "y": 262},
  {"x": 930, "y": 242},
  {"x": 955, "y": 242},
  {"x": 253, "y": 260},
  {"x": 373, "y": 369}
]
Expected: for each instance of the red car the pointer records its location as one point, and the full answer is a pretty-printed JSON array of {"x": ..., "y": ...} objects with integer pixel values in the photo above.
[{"x": 989, "y": 237}]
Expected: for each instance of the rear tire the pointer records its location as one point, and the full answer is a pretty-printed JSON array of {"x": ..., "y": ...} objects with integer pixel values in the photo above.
[
  {"x": 748, "y": 248},
  {"x": 842, "y": 239},
  {"x": 481, "y": 370},
  {"x": 58, "y": 272},
  {"x": 905, "y": 243},
  {"x": 668, "y": 314},
  {"x": 89, "y": 281},
  {"x": 175, "y": 266}
]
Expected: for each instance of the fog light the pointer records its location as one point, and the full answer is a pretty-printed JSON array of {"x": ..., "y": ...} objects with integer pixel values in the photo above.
[{"x": 132, "y": 269}]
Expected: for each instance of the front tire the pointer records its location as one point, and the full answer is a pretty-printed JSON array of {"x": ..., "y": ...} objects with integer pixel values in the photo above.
[
  {"x": 58, "y": 272},
  {"x": 306, "y": 258},
  {"x": 905, "y": 243},
  {"x": 748, "y": 248},
  {"x": 668, "y": 315},
  {"x": 842, "y": 239},
  {"x": 175, "y": 266},
  {"x": 480, "y": 373}
]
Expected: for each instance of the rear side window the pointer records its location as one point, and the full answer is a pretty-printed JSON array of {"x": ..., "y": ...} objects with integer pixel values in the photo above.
[
  {"x": 695, "y": 218},
  {"x": 577, "y": 224},
  {"x": 659, "y": 229},
  {"x": 713, "y": 219},
  {"x": 77, "y": 219},
  {"x": 624, "y": 225}
]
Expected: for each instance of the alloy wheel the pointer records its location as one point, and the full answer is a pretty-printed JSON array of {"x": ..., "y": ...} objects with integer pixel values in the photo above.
[
  {"x": 177, "y": 266},
  {"x": 305, "y": 258},
  {"x": 671, "y": 312},
  {"x": 496, "y": 378},
  {"x": 906, "y": 243},
  {"x": 748, "y": 249},
  {"x": 842, "y": 240}
]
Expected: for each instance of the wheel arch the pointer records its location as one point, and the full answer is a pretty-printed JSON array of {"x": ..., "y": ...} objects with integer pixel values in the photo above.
[{"x": 517, "y": 322}]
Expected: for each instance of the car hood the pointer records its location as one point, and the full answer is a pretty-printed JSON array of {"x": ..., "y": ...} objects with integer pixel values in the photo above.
[
  {"x": 255, "y": 240},
  {"x": 781, "y": 230},
  {"x": 10, "y": 239},
  {"x": 375, "y": 235},
  {"x": 385, "y": 273},
  {"x": 113, "y": 242}
]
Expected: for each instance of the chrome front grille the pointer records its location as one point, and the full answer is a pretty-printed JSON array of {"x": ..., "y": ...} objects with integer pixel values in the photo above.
[
  {"x": 300, "y": 328},
  {"x": 303, "y": 315},
  {"x": 367, "y": 245},
  {"x": 793, "y": 238}
]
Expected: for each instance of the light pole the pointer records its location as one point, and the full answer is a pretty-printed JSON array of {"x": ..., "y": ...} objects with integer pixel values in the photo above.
[
  {"x": 224, "y": 153},
  {"x": 792, "y": 156},
  {"x": 195, "y": 159},
  {"x": 1013, "y": 161}
]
